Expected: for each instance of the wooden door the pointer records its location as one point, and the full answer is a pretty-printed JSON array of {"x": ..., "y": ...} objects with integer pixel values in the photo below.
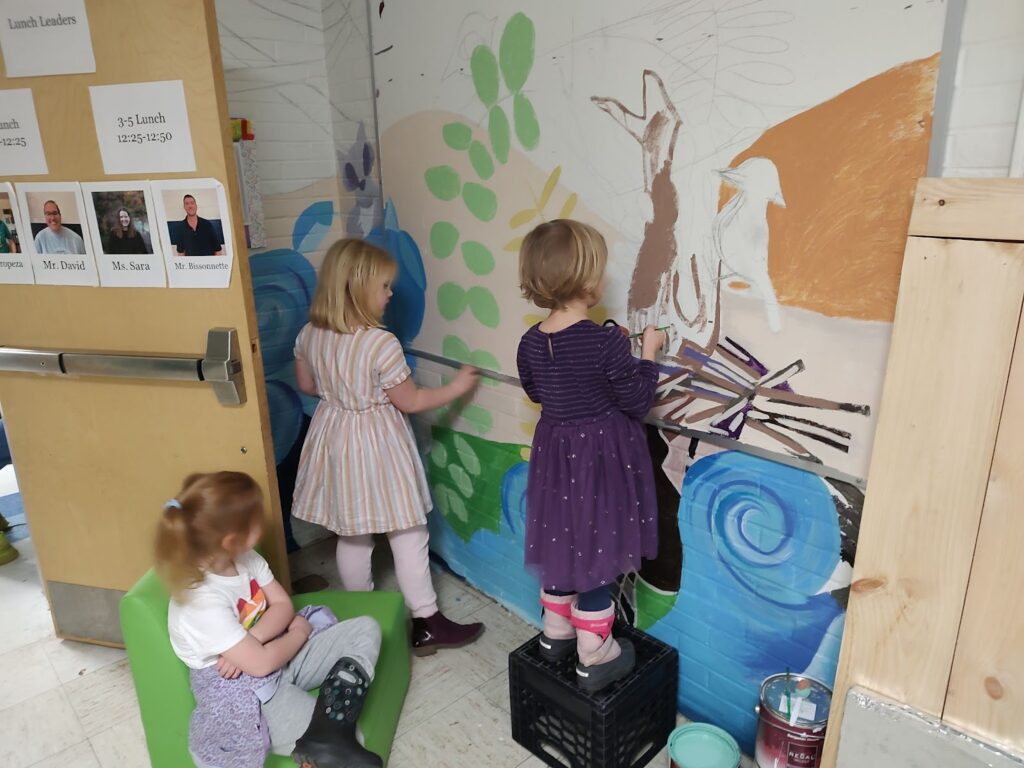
[{"x": 97, "y": 458}]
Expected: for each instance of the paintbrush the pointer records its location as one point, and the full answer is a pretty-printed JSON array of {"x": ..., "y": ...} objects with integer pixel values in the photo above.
[{"x": 641, "y": 333}]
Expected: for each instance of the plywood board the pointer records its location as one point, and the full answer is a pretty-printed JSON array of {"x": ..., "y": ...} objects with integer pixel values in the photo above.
[
  {"x": 97, "y": 458},
  {"x": 955, "y": 324},
  {"x": 982, "y": 209},
  {"x": 986, "y": 688}
]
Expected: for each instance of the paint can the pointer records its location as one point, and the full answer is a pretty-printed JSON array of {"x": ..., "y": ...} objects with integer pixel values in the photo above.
[
  {"x": 791, "y": 722},
  {"x": 698, "y": 745}
]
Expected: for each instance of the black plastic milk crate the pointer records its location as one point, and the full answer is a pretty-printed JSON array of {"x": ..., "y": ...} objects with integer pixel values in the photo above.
[{"x": 623, "y": 726}]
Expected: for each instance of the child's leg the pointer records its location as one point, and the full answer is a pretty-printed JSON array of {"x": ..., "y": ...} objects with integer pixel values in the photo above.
[
  {"x": 340, "y": 659},
  {"x": 412, "y": 568},
  {"x": 603, "y": 659},
  {"x": 431, "y": 629},
  {"x": 558, "y": 636},
  {"x": 355, "y": 555}
]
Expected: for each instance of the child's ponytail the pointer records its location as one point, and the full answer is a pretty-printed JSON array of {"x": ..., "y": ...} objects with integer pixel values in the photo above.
[{"x": 194, "y": 524}]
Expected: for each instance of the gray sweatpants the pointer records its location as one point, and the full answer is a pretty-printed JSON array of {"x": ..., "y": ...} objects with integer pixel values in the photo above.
[{"x": 291, "y": 708}]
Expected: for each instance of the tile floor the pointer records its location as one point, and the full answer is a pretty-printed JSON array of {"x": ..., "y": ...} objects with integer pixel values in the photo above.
[{"x": 69, "y": 705}]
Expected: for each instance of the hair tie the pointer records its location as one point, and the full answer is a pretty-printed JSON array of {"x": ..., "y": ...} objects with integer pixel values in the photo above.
[{"x": 172, "y": 504}]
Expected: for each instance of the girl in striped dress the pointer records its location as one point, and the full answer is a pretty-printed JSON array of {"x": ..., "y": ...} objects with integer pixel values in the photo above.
[
  {"x": 360, "y": 472},
  {"x": 591, "y": 509}
]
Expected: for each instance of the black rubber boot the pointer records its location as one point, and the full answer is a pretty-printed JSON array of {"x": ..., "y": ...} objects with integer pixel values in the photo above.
[
  {"x": 592, "y": 679},
  {"x": 330, "y": 739},
  {"x": 554, "y": 651}
]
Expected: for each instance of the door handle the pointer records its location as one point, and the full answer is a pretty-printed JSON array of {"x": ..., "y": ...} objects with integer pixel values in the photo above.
[{"x": 221, "y": 367}]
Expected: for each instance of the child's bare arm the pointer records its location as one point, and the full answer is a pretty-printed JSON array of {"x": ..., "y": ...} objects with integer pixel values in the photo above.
[
  {"x": 304, "y": 378},
  {"x": 278, "y": 615},
  {"x": 258, "y": 660},
  {"x": 409, "y": 398}
]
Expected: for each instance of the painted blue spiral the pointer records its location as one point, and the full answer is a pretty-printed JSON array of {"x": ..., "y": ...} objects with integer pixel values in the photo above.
[
  {"x": 285, "y": 417},
  {"x": 404, "y": 315},
  {"x": 283, "y": 282}
]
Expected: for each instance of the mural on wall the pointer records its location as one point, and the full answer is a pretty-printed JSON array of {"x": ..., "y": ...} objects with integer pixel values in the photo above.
[{"x": 752, "y": 172}]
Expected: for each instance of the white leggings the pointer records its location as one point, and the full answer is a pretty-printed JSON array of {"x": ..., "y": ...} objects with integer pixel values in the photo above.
[{"x": 412, "y": 567}]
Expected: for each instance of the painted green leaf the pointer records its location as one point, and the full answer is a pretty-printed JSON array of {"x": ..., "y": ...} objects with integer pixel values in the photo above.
[
  {"x": 483, "y": 359},
  {"x": 478, "y": 257},
  {"x": 480, "y": 201},
  {"x": 451, "y": 300},
  {"x": 479, "y": 418},
  {"x": 443, "y": 239},
  {"x": 497, "y": 128},
  {"x": 457, "y": 135},
  {"x": 443, "y": 181},
  {"x": 516, "y": 51},
  {"x": 484, "y": 67},
  {"x": 450, "y": 503},
  {"x": 439, "y": 454},
  {"x": 455, "y": 348},
  {"x": 462, "y": 479},
  {"x": 527, "y": 129},
  {"x": 483, "y": 306},
  {"x": 481, "y": 160},
  {"x": 467, "y": 456}
]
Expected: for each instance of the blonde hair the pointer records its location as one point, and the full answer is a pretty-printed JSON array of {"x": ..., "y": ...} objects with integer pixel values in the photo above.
[
  {"x": 347, "y": 276},
  {"x": 208, "y": 508},
  {"x": 561, "y": 260}
]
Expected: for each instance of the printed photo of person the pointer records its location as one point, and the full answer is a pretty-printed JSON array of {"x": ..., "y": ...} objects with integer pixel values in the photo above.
[
  {"x": 8, "y": 225},
  {"x": 122, "y": 221},
  {"x": 56, "y": 223},
  {"x": 195, "y": 235}
]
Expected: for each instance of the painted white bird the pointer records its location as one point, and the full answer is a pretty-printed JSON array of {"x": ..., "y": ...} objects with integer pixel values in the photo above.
[{"x": 740, "y": 229}]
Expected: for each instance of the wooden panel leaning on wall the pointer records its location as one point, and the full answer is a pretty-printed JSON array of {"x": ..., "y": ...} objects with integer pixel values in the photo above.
[{"x": 953, "y": 339}]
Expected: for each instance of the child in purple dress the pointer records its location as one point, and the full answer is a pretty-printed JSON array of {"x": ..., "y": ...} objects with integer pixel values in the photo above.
[{"x": 591, "y": 512}]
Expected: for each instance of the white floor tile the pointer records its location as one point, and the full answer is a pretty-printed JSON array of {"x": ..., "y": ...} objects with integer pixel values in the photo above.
[
  {"x": 78, "y": 756},
  {"x": 25, "y": 672},
  {"x": 38, "y": 728},
  {"x": 496, "y": 691},
  {"x": 436, "y": 682},
  {"x": 122, "y": 745},
  {"x": 103, "y": 698},
  {"x": 470, "y": 733},
  {"x": 72, "y": 660},
  {"x": 456, "y": 599},
  {"x": 503, "y": 633},
  {"x": 21, "y": 595}
]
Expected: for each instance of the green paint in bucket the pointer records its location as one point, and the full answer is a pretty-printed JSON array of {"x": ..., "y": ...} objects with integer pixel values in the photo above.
[{"x": 698, "y": 745}]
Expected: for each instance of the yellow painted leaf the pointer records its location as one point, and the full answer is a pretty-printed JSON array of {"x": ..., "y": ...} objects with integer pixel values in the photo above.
[
  {"x": 549, "y": 186},
  {"x": 522, "y": 217},
  {"x": 525, "y": 453},
  {"x": 528, "y": 429},
  {"x": 512, "y": 245},
  {"x": 532, "y": 320},
  {"x": 568, "y": 207}
]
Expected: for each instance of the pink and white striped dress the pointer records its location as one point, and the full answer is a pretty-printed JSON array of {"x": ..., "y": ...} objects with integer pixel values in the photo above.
[{"x": 359, "y": 471}]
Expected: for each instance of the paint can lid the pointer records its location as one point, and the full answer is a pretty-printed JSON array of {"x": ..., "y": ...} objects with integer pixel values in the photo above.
[
  {"x": 811, "y": 699},
  {"x": 698, "y": 745}
]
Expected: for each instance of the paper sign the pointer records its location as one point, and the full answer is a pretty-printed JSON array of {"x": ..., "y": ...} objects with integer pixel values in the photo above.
[
  {"x": 21, "y": 147},
  {"x": 15, "y": 266},
  {"x": 143, "y": 127},
  {"x": 54, "y": 233},
  {"x": 195, "y": 231},
  {"x": 45, "y": 37},
  {"x": 122, "y": 223}
]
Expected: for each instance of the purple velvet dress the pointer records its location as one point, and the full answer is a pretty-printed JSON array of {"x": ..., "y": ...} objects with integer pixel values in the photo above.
[{"x": 591, "y": 508}]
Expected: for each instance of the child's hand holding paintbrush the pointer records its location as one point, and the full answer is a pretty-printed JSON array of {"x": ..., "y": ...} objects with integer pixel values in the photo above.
[{"x": 652, "y": 339}]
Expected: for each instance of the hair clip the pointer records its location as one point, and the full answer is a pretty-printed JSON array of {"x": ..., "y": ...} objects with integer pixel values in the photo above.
[{"x": 172, "y": 504}]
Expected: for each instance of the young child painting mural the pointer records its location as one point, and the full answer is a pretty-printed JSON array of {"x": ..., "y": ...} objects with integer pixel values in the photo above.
[
  {"x": 591, "y": 508},
  {"x": 360, "y": 472}
]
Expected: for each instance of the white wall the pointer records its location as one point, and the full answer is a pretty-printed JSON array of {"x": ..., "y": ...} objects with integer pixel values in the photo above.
[{"x": 986, "y": 98}]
